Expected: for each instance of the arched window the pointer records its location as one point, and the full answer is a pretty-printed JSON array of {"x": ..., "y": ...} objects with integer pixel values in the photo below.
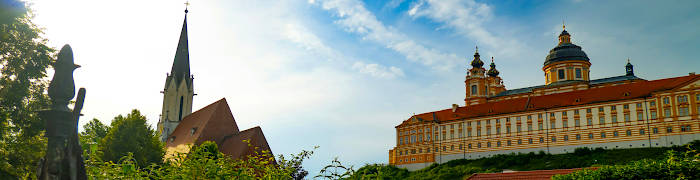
[
  {"x": 180, "y": 114},
  {"x": 486, "y": 90},
  {"x": 474, "y": 89},
  {"x": 561, "y": 74}
]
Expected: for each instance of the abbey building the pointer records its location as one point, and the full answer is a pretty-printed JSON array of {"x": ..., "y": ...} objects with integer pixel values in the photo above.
[{"x": 569, "y": 111}]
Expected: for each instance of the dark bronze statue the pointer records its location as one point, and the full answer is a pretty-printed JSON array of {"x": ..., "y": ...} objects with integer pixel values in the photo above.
[{"x": 63, "y": 158}]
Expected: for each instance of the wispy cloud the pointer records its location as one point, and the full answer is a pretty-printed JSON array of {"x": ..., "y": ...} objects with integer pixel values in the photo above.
[
  {"x": 355, "y": 18},
  {"x": 467, "y": 18},
  {"x": 377, "y": 70}
]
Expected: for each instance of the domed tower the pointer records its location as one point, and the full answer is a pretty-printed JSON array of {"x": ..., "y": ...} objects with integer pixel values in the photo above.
[
  {"x": 494, "y": 82},
  {"x": 629, "y": 69},
  {"x": 476, "y": 85},
  {"x": 566, "y": 62}
]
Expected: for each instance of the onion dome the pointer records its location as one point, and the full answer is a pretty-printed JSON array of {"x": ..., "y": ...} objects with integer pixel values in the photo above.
[
  {"x": 565, "y": 51},
  {"x": 477, "y": 63},
  {"x": 492, "y": 71}
]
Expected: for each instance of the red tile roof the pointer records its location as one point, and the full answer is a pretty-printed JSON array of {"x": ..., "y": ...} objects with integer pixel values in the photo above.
[
  {"x": 525, "y": 175},
  {"x": 595, "y": 94},
  {"x": 216, "y": 123}
]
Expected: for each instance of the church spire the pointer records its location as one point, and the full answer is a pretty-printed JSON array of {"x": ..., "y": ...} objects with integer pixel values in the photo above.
[
  {"x": 181, "y": 64},
  {"x": 477, "y": 63},
  {"x": 492, "y": 71}
]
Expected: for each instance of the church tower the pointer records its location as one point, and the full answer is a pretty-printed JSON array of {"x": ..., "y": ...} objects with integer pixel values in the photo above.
[
  {"x": 476, "y": 85},
  {"x": 179, "y": 90}
]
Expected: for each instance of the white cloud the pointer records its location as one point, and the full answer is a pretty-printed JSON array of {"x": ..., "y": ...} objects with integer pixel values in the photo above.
[
  {"x": 355, "y": 18},
  {"x": 377, "y": 70},
  {"x": 467, "y": 18}
]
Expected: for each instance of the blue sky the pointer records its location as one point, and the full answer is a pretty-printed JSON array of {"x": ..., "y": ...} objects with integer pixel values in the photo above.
[{"x": 341, "y": 74}]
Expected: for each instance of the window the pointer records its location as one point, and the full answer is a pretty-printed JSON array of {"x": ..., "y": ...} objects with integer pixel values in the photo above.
[
  {"x": 640, "y": 116},
  {"x": 590, "y": 135},
  {"x": 520, "y": 141},
  {"x": 612, "y": 108},
  {"x": 565, "y": 124},
  {"x": 488, "y": 144},
  {"x": 469, "y": 145},
  {"x": 697, "y": 97},
  {"x": 554, "y": 139},
  {"x": 627, "y": 117},
  {"x": 529, "y": 127},
  {"x": 589, "y": 121},
  {"x": 667, "y": 112},
  {"x": 529, "y": 141},
  {"x": 478, "y": 132},
  {"x": 508, "y": 129},
  {"x": 685, "y": 128},
  {"x": 588, "y": 110},
  {"x": 578, "y": 137},
  {"x": 652, "y": 103},
  {"x": 666, "y": 100},
  {"x": 539, "y": 115},
  {"x": 683, "y": 111},
  {"x": 552, "y": 125},
  {"x": 602, "y": 135},
  {"x": 529, "y": 117},
  {"x": 576, "y": 112},
  {"x": 614, "y": 118},
  {"x": 551, "y": 114},
  {"x": 400, "y": 141},
  {"x": 541, "y": 140},
  {"x": 626, "y": 106},
  {"x": 539, "y": 126},
  {"x": 602, "y": 120},
  {"x": 601, "y": 109},
  {"x": 577, "y": 122},
  {"x": 615, "y": 133},
  {"x": 639, "y": 105},
  {"x": 452, "y": 147},
  {"x": 444, "y": 148},
  {"x": 508, "y": 142},
  {"x": 488, "y": 131},
  {"x": 519, "y": 127},
  {"x": 628, "y": 132},
  {"x": 498, "y": 130},
  {"x": 427, "y": 137},
  {"x": 656, "y": 130},
  {"x": 578, "y": 73},
  {"x": 566, "y": 137},
  {"x": 653, "y": 114},
  {"x": 669, "y": 129},
  {"x": 682, "y": 99},
  {"x": 563, "y": 113},
  {"x": 498, "y": 143},
  {"x": 413, "y": 138},
  {"x": 460, "y": 147},
  {"x": 474, "y": 89},
  {"x": 561, "y": 74},
  {"x": 469, "y": 133},
  {"x": 641, "y": 131}
]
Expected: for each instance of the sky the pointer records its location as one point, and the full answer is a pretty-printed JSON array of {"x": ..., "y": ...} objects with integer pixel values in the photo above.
[{"x": 340, "y": 74}]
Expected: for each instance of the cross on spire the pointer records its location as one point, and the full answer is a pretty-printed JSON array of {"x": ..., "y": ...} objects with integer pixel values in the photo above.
[{"x": 187, "y": 4}]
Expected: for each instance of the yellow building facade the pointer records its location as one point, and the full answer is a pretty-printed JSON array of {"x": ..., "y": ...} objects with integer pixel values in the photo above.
[{"x": 568, "y": 112}]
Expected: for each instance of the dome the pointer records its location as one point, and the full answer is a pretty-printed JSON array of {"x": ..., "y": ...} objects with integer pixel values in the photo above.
[
  {"x": 492, "y": 71},
  {"x": 565, "y": 51}
]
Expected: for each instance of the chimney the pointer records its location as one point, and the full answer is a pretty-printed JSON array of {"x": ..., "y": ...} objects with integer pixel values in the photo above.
[{"x": 454, "y": 107}]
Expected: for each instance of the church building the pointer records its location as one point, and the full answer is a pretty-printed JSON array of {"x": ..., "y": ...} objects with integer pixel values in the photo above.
[
  {"x": 180, "y": 128},
  {"x": 569, "y": 111}
]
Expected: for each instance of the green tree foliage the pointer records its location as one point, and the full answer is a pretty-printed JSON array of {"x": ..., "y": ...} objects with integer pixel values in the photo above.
[
  {"x": 24, "y": 58},
  {"x": 131, "y": 134},
  {"x": 677, "y": 165},
  {"x": 202, "y": 162},
  {"x": 335, "y": 170}
]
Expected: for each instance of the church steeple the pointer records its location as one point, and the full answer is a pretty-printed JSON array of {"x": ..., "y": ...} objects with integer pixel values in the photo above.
[
  {"x": 179, "y": 89},
  {"x": 629, "y": 69},
  {"x": 181, "y": 64},
  {"x": 492, "y": 71},
  {"x": 477, "y": 63}
]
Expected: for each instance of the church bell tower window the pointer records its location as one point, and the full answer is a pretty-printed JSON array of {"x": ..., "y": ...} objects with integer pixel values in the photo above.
[
  {"x": 474, "y": 90},
  {"x": 180, "y": 113}
]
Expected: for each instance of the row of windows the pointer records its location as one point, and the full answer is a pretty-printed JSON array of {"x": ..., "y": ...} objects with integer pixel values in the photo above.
[
  {"x": 682, "y": 111},
  {"x": 668, "y": 129}
]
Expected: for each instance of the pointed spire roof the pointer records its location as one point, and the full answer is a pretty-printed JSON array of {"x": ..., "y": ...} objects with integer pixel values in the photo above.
[{"x": 181, "y": 64}]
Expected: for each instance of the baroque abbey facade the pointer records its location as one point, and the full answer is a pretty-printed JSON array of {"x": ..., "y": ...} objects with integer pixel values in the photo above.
[{"x": 567, "y": 112}]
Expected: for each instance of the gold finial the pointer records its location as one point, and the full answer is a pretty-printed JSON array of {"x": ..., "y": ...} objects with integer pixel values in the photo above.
[
  {"x": 563, "y": 25},
  {"x": 477, "y": 49},
  {"x": 187, "y": 4}
]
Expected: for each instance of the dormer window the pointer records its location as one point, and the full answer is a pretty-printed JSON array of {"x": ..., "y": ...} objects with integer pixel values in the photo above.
[
  {"x": 193, "y": 130},
  {"x": 172, "y": 138}
]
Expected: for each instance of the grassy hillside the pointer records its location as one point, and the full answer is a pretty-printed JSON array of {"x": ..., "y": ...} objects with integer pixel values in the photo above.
[{"x": 457, "y": 169}]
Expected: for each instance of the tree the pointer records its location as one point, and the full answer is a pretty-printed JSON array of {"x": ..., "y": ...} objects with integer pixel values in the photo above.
[
  {"x": 131, "y": 134},
  {"x": 93, "y": 132},
  {"x": 24, "y": 58}
]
